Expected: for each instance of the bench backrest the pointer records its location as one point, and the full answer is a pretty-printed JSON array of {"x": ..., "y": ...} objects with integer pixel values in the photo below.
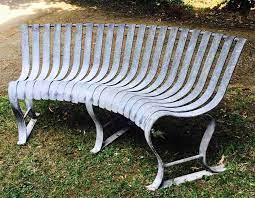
[{"x": 148, "y": 55}]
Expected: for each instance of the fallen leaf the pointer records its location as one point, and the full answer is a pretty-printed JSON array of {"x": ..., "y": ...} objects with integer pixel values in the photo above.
[{"x": 222, "y": 160}]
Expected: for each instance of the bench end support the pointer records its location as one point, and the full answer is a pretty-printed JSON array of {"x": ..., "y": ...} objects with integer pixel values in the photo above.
[{"x": 159, "y": 181}]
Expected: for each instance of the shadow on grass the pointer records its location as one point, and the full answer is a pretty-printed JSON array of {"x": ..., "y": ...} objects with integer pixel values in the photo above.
[{"x": 173, "y": 138}]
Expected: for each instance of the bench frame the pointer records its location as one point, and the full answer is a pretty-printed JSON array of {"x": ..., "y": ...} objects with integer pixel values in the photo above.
[{"x": 146, "y": 123}]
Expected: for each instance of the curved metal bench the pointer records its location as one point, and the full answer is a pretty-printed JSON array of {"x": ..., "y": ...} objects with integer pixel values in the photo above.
[{"x": 142, "y": 72}]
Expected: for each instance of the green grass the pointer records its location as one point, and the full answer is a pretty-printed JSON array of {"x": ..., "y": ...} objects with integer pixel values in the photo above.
[{"x": 56, "y": 162}]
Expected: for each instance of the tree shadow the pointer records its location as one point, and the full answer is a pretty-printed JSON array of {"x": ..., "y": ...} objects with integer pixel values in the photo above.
[
  {"x": 180, "y": 138},
  {"x": 165, "y": 9},
  {"x": 174, "y": 138},
  {"x": 212, "y": 15}
]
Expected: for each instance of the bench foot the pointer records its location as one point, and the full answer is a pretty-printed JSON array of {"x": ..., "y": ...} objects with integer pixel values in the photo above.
[{"x": 160, "y": 183}]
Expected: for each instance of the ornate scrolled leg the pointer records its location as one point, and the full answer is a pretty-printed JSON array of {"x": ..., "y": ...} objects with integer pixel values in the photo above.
[
  {"x": 99, "y": 127},
  {"x": 204, "y": 145},
  {"x": 160, "y": 174}
]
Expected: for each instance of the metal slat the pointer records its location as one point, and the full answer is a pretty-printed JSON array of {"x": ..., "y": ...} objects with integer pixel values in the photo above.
[
  {"x": 104, "y": 67},
  {"x": 202, "y": 78},
  {"x": 25, "y": 53},
  {"x": 95, "y": 67},
  {"x": 131, "y": 73},
  {"x": 123, "y": 70},
  {"x": 44, "y": 86},
  {"x": 97, "y": 88},
  {"x": 65, "y": 63},
  {"x": 209, "y": 90},
  {"x": 12, "y": 88},
  {"x": 21, "y": 86},
  {"x": 67, "y": 53},
  {"x": 77, "y": 54},
  {"x": 190, "y": 81},
  {"x": 46, "y": 53},
  {"x": 151, "y": 74},
  {"x": 57, "y": 92},
  {"x": 45, "y": 64},
  {"x": 35, "y": 52},
  {"x": 56, "y": 53},
  {"x": 87, "y": 50},
  {"x": 221, "y": 89},
  {"x": 138, "y": 101},
  {"x": 142, "y": 71},
  {"x": 85, "y": 65}
]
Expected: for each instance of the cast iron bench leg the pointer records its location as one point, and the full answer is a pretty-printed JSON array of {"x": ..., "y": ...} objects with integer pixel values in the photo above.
[
  {"x": 160, "y": 183},
  {"x": 100, "y": 142},
  {"x": 23, "y": 130},
  {"x": 99, "y": 128}
]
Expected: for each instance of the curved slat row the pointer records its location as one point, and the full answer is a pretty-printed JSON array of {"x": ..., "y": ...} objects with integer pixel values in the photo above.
[{"x": 141, "y": 72}]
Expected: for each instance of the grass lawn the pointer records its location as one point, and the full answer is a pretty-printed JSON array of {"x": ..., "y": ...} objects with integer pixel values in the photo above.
[{"x": 56, "y": 161}]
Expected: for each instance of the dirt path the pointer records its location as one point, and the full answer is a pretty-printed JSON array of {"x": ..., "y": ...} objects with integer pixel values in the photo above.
[
  {"x": 65, "y": 13},
  {"x": 12, "y": 14}
]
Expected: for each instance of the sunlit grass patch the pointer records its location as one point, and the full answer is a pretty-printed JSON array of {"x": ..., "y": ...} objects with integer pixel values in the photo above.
[{"x": 203, "y": 4}]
